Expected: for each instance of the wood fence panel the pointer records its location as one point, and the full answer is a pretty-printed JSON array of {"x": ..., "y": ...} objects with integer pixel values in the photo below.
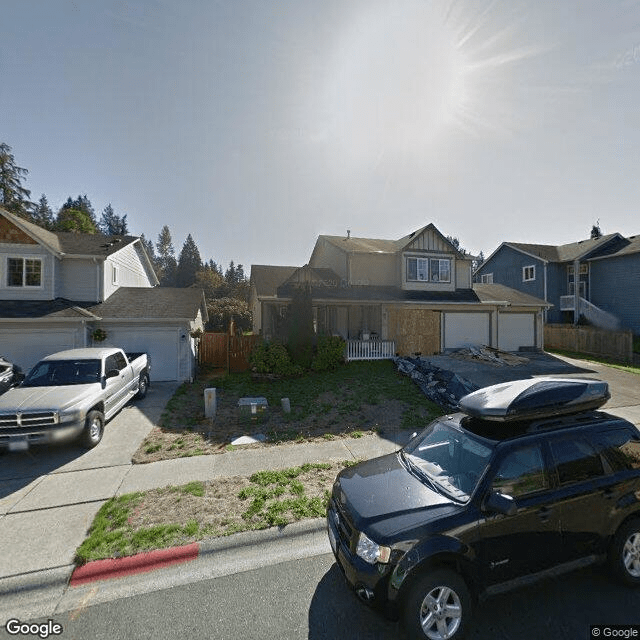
[
  {"x": 590, "y": 340},
  {"x": 214, "y": 349},
  {"x": 240, "y": 348}
]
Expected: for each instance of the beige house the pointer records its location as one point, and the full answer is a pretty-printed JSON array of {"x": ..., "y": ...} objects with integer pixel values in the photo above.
[{"x": 415, "y": 294}]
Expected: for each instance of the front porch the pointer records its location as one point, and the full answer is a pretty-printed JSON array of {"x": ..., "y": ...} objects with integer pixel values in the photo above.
[
  {"x": 370, "y": 350},
  {"x": 595, "y": 315}
]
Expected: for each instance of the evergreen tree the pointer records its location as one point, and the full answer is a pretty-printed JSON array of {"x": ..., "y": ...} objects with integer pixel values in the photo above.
[
  {"x": 111, "y": 224},
  {"x": 81, "y": 203},
  {"x": 13, "y": 196},
  {"x": 596, "y": 232},
  {"x": 75, "y": 221},
  {"x": 299, "y": 327},
  {"x": 42, "y": 214},
  {"x": 166, "y": 259},
  {"x": 189, "y": 263}
]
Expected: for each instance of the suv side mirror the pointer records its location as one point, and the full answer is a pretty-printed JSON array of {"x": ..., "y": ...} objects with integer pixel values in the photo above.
[{"x": 499, "y": 503}]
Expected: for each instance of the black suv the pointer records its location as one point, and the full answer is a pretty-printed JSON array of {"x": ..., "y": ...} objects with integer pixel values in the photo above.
[{"x": 525, "y": 484}]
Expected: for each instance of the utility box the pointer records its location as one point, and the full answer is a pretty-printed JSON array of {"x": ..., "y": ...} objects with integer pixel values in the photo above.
[{"x": 253, "y": 409}]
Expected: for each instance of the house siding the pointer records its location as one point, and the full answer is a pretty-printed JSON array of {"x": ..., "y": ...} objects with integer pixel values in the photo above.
[
  {"x": 556, "y": 287},
  {"x": 374, "y": 269},
  {"x": 14, "y": 250},
  {"x": 326, "y": 255},
  {"x": 131, "y": 271},
  {"x": 614, "y": 288},
  {"x": 78, "y": 279}
]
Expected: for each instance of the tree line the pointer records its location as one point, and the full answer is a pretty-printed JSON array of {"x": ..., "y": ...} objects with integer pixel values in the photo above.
[{"x": 226, "y": 291}]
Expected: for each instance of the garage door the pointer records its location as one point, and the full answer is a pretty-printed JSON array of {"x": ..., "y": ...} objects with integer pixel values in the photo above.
[
  {"x": 26, "y": 348},
  {"x": 464, "y": 329},
  {"x": 516, "y": 330},
  {"x": 160, "y": 344}
]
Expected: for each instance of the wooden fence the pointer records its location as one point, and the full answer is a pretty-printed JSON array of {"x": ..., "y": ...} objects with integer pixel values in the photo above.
[
  {"x": 617, "y": 345},
  {"x": 226, "y": 351}
]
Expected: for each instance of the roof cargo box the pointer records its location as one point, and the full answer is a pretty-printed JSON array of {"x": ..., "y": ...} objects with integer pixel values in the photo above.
[{"x": 535, "y": 398}]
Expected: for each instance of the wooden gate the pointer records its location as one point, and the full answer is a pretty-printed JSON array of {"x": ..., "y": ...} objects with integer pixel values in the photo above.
[{"x": 226, "y": 351}]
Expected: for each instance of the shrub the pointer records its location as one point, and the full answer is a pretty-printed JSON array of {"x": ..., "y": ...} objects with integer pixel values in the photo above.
[
  {"x": 329, "y": 353},
  {"x": 273, "y": 357}
]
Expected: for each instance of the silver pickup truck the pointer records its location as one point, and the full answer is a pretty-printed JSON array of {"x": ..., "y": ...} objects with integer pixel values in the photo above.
[{"x": 71, "y": 394}]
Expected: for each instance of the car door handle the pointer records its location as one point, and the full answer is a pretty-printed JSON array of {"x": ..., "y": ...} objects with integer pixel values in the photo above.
[{"x": 544, "y": 513}]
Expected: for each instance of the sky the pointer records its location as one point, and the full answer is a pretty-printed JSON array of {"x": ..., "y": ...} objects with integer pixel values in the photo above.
[{"x": 256, "y": 126}]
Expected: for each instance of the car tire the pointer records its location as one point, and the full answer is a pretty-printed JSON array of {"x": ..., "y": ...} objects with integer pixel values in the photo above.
[
  {"x": 143, "y": 386},
  {"x": 625, "y": 553},
  {"x": 437, "y": 606},
  {"x": 93, "y": 429}
]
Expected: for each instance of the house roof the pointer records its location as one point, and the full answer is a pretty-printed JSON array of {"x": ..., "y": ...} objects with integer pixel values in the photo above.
[
  {"x": 127, "y": 303},
  {"x": 267, "y": 278},
  {"x": 68, "y": 243},
  {"x": 153, "y": 303},
  {"x": 499, "y": 293}
]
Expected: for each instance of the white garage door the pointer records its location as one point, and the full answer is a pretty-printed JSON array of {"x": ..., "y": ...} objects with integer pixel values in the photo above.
[
  {"x": 516, "y": 330},
  {"x": 464, "y": 329},
  {"x": 160, "y": 344},
  {"x": 26, "y": 348}
]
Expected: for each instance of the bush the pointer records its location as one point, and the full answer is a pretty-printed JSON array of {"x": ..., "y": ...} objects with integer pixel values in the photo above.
[
  {"x": 273, "y": 357},
  {"x": 329, "y": 353}
]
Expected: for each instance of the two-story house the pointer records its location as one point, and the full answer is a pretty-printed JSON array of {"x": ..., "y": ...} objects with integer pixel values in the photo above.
[
  {"x": 598, "y": 278},
  {"x": 416, "y": 291},
  {"x": 61, "y": 290}
]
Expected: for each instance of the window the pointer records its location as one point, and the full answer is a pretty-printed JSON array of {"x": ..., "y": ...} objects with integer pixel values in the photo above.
[
  {"x": 114, "y": 274},
  {"x": 620, "y": 448},
  {"x": 521, "y": 472},
  {"x": 24, "y": 272},
  {"x": 528, "y": 273},
  {"x": 425, "y": 270},
  {"x": 576, "y": 460},
  {"x": 486, "y": 278},
  {"x": 584, "y": 269}
]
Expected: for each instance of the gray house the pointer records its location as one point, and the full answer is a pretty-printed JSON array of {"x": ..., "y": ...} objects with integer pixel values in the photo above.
[
  {"x": 61, "y": 290},
  {"x": 597, "y": 278},
  {"x": 414, "y": 294}
]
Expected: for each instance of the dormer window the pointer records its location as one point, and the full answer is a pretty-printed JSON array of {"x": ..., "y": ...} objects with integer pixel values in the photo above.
[
  {"x": 428, "y": 269},
  {"x": 24, "y": 272}
]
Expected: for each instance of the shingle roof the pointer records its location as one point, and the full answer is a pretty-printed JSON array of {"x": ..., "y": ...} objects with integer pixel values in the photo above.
[
  {"x": 563, "y": 252},
  {"x": 499, "y": 293},
  {"x": 267, "y": 278},
  {"x": 44, "y": 309},
  {"x": 153, "y": 303},
  {"x": 68, "y": 243},
  {"x": 363, "y": 245}
]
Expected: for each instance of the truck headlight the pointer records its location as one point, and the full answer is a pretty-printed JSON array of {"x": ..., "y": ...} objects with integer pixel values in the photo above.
[{"x": 371, "y": 551}]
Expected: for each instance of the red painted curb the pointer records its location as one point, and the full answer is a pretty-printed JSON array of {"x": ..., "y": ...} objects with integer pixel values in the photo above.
[{"x": 140, "y": 563}]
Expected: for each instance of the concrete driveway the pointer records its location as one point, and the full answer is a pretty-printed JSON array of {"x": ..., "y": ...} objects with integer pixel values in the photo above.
[{"x": 50, "y": 495}]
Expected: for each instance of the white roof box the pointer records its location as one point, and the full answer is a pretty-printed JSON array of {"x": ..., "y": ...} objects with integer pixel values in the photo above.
[{"x": 535, "y": 398}]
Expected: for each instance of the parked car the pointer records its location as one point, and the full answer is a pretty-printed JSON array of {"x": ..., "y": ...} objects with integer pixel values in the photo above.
[
  {"x": 10, "y": 375},
  {"x": 71, "y": 394},
  {"x": 478, "y": 504}
]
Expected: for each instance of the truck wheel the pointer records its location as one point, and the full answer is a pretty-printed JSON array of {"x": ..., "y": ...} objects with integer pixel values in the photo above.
[
  {"x": 438, "y": 606},
  {"x": 143, "y": 385},
  {"x": 625, "y": 553},
  {"x": 93, "y": 429}
]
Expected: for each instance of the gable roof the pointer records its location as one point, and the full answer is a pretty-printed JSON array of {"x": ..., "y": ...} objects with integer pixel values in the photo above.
[
  {"x": 267, "y": 278},
  {"x": 66, "y": 243},
  {"x": 500, "y": 294}
]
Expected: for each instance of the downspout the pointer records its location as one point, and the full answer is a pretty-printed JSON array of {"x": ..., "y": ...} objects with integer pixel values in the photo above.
[
  {"x": 576, "y": 291},
  {"x": 98, "y": 292},
  {"x": 545, "y": 291}
]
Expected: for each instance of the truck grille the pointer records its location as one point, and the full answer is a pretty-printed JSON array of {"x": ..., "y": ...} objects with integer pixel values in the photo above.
[{"x": 29, "y": 420}]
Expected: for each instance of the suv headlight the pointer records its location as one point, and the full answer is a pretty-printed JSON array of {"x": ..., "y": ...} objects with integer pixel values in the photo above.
[{"x": 371, "y": 551}]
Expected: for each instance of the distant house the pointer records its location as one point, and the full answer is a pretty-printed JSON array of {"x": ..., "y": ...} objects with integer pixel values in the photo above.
[
  {"x": 58, "y": 288},
  {"x": 416, "y": 291},
  {"x": 597, "y": 278}
]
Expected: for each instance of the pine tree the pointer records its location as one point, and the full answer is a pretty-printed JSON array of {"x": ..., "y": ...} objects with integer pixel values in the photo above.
[
  {"x": 111, "y": 224},
  {"x": 13, "y": 196},
  {"x": 166, "y": 260},
  {"x": 189, "y": 263},
  {"x": 81, "y": 203},
  {"x": 75, "y": 221},
  {"x": 42, "y": 214}
]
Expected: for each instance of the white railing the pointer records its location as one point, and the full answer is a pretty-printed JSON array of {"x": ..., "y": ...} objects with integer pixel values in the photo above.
[
  {"x": 595, "y": 315},
  {"x": 370, "y": 349}
]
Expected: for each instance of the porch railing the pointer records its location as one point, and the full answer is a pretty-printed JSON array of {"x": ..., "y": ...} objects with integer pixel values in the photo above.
[
  {"x": 370, "y": 349},
  {"x": 595, "y": 315}
]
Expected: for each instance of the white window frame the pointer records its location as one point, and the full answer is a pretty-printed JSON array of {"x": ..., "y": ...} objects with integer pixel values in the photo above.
[
  {"x": 422, "y": 269},
  {"x": 532, "y": 277},
  {"x": 436, "y": 276},
  {"x": 24, "y": 284},
  {"x": 486, "y": 278},
  {"x": 584, "y": 269}
]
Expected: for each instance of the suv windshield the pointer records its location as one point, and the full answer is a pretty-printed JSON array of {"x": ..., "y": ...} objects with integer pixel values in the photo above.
[
  {"x": 50, "y": 373},
  {"x": 451, "y": 459}
]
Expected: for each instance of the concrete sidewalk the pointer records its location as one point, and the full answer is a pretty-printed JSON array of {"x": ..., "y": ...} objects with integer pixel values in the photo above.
[{"x": 49, "y": 499}]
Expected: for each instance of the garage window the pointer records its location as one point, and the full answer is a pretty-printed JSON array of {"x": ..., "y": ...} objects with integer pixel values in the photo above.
[{"x": 24, "y": 272}]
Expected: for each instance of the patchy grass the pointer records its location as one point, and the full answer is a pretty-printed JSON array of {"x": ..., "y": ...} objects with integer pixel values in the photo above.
[
  {"x": 589, "y": 358},
  {"x": 356, "y": 399},
  {"x": 173, "y": 516}
]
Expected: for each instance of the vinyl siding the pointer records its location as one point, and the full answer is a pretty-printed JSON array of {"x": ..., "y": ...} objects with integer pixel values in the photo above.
[
  {"x": 326, "y": 255},
  {"x": 44, "y": 292},
  {"x": 130, "y": 268},
  {"x": 78, "y": 279},
  {"x": 374, "y": 269}
]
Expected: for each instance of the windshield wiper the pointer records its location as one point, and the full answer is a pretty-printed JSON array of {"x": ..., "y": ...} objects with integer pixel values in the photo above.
[{"x": 413, "y": 468}]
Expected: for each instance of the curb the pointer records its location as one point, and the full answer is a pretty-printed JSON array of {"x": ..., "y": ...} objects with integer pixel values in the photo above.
[{"x": 161, "y": 558}]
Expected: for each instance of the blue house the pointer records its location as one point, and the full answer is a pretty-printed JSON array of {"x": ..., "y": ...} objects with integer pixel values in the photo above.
[{"x": 598, "y": 278}]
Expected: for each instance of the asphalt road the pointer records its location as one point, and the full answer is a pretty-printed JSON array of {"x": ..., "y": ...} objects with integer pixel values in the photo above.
[{"x": 308, "y": 598}]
